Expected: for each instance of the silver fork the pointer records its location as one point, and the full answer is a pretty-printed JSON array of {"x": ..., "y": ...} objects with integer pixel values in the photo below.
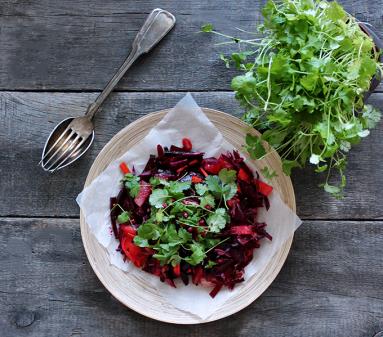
[{"x": 73, "y": 136}]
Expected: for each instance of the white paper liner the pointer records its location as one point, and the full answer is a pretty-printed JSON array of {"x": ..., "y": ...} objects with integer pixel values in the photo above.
[{"x": 186, "y": 119}]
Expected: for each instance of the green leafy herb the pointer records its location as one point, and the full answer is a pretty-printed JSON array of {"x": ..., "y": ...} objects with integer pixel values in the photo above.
[
  {"x": 207, "y": 200},
  {"x": 201, "y": 189},
  {"x": 149, "y": 231},
  {"x": 140, "y": 242},
  {"x": 223, "y": 186},
  {"x": 268, "y": 174},
  {"x": 123, "y": 217},
  {"x": 227, "y": 176},
  {"x": 177, "y": 188},
  {"x": 198, "y": 254},
  {"x": 217, "y": 220},
  {"x": 173, "y": 212},
  {"x": 303, "y": 85},
  {"x": 158, "y": 197},
  {"x": 207, "y": 28},
  {"x": 210, "y": 264},
  {"x": 132, "y": 183}
]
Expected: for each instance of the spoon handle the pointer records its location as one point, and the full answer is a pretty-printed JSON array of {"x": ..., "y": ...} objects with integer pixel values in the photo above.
[{"x": 156, "y": 26}]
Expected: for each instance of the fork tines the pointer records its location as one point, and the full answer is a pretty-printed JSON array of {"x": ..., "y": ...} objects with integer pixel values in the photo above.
[{"x": 65, "y": 147}]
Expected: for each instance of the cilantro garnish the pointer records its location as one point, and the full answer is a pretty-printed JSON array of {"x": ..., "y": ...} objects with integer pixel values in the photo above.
[
  {"x": 123, "y": 217},
  {"x": 132, "y": 183},
  {"x": 217, "y": 220},
  {"x": 158, "y": 197},
  {"x": 223, "y": 186},
  {"x": 177, "y": 209}
]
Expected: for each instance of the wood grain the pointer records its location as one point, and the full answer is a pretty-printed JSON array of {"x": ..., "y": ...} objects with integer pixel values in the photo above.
[
  {"x": 78, "y": 45},
  {"x": 26, "y": 120},
  {"x": 330, "y": 286}
]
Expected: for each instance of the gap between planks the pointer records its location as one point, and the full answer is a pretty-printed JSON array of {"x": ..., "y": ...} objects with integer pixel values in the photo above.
[{"x": 38, "y": 217}]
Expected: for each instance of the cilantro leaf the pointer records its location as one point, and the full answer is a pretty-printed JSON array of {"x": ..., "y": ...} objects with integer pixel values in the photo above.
[
  {"x": 210, "y": 264},
  {"x": 168, "y": 255},
  {"x": 217, "y": 220},
  {"x": 158, "y": 197},
  {"x": 213, "y": 184},
  {"x": 229, "y": 191},
  {"x": 268, "y": 174},
  {"x": 123, "y": 217},
  {"x": 219, "y": 188},
  {"x": 149, "y": 231},
  {"x": 184, "y": 235},
  {"x": 198, "y": 254},
  {"x": 207, "y": 28},
  {"x": 288, "y": 165},
  {"x": 132, "y": 183},
  {"x": 227, "y": 176},
  {"x": 176, "y": 188},
  {"x": 155, "y": 181},
  {"x": 206, "y": 200},
  {"x": 140, "y": 242},
  {"x": 254, "y": 147},
  {"x": 370, "y": 116},
  {"x": 201, "y": 189}
]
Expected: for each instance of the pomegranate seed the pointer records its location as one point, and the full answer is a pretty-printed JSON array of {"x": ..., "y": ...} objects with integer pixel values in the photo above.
[
  {"x": 185, "y": 214},
  {"x": 164, "y": 205},
  {"x": 202, "y": 222},
  {"x": 190, "y": 230},
  {"x": 187, "y": 144}
]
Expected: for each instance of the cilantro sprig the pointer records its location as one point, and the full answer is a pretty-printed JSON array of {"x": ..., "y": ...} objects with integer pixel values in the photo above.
[{"x": 303, "y": 85}]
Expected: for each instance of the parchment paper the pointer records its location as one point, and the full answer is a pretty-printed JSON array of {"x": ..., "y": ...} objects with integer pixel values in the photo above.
[{"x": 186, "y": 119}]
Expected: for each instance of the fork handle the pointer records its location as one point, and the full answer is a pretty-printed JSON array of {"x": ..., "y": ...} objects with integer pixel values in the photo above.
[{"x": 157, "y": 25}]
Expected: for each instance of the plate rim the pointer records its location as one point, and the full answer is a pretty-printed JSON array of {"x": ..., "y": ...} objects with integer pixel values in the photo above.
[{"x": 286, "y": 247}]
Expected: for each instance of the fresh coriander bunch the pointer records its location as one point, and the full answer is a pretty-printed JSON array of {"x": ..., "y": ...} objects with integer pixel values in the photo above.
[{"x": 304, "y": 85}]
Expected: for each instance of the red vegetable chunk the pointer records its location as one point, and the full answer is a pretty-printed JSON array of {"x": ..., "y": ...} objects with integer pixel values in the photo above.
[
  {"x": 143, "y": 194},
  {"x": 263, "y": 188},
  {"x": 187, "y": 144},
  {"x": 124, "y": 168}
]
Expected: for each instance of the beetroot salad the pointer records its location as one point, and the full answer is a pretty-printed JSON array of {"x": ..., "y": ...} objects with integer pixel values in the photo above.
[{"x": 190, "y": 217}]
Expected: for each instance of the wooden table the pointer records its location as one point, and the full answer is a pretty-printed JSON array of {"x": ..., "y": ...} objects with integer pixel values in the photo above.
[{"x": 55, "y": 56}]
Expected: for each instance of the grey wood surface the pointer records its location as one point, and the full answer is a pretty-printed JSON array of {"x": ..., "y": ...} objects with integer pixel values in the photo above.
[
  {"x": 78, "y": 44},
  {"x": 28, "y": 119},
  {"x": 54, "y": 57},
  {"x": 330, "y": 286}
]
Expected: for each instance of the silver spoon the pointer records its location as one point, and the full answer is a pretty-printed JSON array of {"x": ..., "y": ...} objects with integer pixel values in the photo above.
[{"x": 70, "y": 139}]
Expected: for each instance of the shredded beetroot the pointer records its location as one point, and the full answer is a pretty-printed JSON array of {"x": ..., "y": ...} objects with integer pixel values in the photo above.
[
  {"x": 239, "y": 238},
  {"x": 143, "y": 194}
]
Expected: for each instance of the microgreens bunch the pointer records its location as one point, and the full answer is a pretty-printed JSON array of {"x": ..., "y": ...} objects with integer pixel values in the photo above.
[{"x": 304, "y": 83}]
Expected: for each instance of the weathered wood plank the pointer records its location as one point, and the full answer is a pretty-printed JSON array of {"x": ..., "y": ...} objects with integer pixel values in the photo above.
[
  {"x": 26, "y": 120},
  {"x": 330, "y": 286},
  {"x": 72, "y": 45}
]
